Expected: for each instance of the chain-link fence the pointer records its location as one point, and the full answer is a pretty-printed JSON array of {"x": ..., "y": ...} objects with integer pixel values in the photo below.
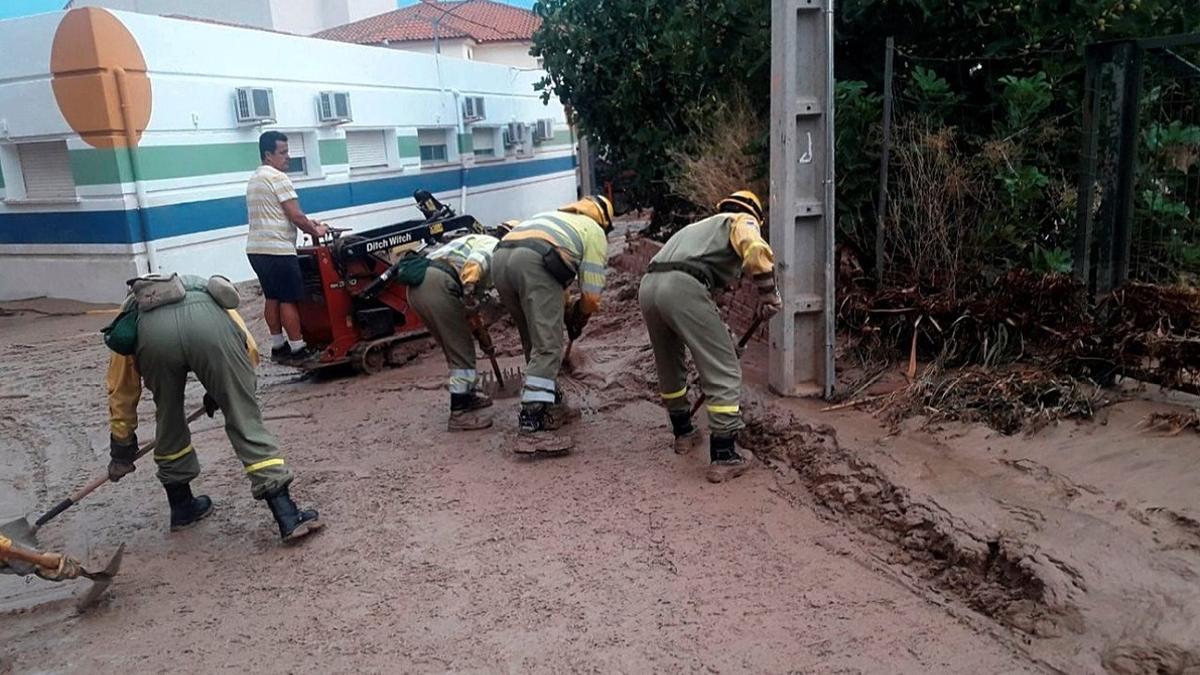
[{"x": 1139, "y": 206}]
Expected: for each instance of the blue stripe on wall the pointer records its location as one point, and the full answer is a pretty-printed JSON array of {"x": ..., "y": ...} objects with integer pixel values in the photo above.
[{"x": 122, "y": 227}]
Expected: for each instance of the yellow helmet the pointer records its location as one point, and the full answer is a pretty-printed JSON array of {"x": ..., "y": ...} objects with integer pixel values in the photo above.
[
  {"x": 596, "y": 207},
  {"x": 742, "y": 201}
]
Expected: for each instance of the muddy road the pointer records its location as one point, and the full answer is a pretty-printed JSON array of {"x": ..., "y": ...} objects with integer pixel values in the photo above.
[{"x": 443, "y": 552}]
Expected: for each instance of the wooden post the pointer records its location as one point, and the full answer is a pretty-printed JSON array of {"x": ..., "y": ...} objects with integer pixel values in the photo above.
[{"x": 885, "y": 157}]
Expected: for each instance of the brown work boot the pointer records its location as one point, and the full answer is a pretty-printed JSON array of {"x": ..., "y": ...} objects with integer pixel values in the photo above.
[
  {"x": 725, "y": 463},
  {"x": 687, "y": 436},
  {"x": 561, "y": 412},
  {"x": 479, "y": 401},
  {"x": 468, "y": 420},
  {"x": 536, "y": 433},
  {"x": 688, "y": 442}
]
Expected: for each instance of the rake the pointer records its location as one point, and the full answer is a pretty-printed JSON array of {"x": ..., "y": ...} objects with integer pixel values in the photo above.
[{"x": 500, "y": 383}]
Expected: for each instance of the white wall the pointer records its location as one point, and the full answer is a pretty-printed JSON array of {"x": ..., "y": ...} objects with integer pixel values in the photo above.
[
  {"x": 194, "y": 68},
  {"x": 506, "y": 53},
  {"x": 456, "y": 48}
]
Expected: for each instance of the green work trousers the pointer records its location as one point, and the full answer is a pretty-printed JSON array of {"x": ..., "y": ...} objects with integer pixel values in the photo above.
[
  {"x": 680, "y": 313},
  {"x": 535, "y": 301},
  {"x": 196, "y": 335},
  {"x": 438, "y": 301}
]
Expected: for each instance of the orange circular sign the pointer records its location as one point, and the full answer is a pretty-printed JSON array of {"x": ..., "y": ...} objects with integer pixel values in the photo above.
[{"x": 99, "y": 78}]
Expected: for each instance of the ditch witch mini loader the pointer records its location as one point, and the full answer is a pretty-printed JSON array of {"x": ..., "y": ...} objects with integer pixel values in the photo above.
[{"x": 353, "y": 309}]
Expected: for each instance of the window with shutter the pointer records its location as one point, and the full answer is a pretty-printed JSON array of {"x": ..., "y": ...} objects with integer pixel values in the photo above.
[
  {"x": 433, "y": 144},
  {"x": 366, "y": 149},
  {"x": 46, "y": 168},
  {"x": 484, "y": 141},
  {"x": 298, "y": 165}
]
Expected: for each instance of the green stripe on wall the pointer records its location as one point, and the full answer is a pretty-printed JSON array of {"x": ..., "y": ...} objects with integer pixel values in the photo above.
[
  {"x": 100, "y": 166},
  {"x": 561, "y": 137},
  {"x": 1, "y": 179},
  {"x": 409, "y": 146},
  {"x": 158, "y": 162},
  {"x": 466, "y": 144},
  {"x": 334, "y": 151}
]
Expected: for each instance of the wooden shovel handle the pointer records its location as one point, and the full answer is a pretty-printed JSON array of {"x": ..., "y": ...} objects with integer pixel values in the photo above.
[
  {"x": 101, "y": 479},
  {"x": 9, "y": 550}
]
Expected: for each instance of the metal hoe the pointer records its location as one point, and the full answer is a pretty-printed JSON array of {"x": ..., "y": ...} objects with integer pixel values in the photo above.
[
  {"x": 20, "y": 531},
  {"x": 59, "y": 567}
]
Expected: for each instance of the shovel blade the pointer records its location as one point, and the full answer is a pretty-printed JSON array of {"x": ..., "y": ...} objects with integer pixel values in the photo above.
[
  {"x": 20, "y": 531},
  {"x": 101, "y": 581}
]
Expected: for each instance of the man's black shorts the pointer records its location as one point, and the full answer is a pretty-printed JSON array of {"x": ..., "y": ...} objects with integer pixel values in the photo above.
[{"x": 279, "y": 276}]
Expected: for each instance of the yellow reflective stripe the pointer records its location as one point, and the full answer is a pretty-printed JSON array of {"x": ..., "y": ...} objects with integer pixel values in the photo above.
[
  {"x": 722, "y": 409},
  {"x": 675, "y": 394},
  {"x": 259, "y": 466},
  {"x": 173, "y": 456}
]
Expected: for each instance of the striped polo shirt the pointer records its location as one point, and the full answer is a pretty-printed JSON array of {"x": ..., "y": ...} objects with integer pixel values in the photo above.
[{"x": 271, "y": 233}]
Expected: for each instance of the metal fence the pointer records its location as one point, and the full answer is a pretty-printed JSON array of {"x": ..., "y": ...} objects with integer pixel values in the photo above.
[{"x": 1139, "y": 190}]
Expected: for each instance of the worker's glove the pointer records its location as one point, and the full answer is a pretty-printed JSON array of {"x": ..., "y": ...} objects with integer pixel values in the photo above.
[
  {"x": 210, "y": 405},
  {"x": 576, "y": 319},
  {"x": 470, "y": 299},
  {"x": 68, "y": 568},
  {"x": 121, "y": 455},
  {"x": 769, "y": 304},
  {"x": 475, "y": 322}
]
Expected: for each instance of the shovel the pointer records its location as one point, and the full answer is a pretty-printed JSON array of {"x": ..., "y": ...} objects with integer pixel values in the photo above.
[
  {"x": 59, "y": 567},
  {"x": 21, "y": 531},
  {"x": 739, "y": 350}
]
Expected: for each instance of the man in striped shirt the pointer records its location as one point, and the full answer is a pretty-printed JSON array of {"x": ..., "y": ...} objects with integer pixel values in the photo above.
[
  {"x": 533, "y": 266},
  {"x": 274, "y": 212},
  {"x": 458, "y": 273}
]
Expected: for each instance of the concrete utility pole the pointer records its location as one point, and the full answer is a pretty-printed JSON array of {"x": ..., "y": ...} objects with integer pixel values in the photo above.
[{"x": 802, "y": 195}]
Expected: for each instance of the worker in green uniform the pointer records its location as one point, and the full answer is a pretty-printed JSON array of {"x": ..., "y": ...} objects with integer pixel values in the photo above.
[
  {"x": 533, "y": 265},
  {"x": 187, "y": 324},
  {"x": 446, "y": 300},
  {"x": 676, "y": 300}
]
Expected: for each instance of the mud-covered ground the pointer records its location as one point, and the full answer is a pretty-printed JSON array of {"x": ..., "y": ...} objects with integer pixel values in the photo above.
[{"x": 444, "y": 552}]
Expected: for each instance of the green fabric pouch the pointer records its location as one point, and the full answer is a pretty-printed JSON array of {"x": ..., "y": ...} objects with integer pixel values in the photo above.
[
  {"x": 410, "y": 270},
  {"x": 121, "y": 335}
]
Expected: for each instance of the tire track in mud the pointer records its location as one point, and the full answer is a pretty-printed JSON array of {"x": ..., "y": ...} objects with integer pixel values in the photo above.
[{"x": 996, "y": 577}]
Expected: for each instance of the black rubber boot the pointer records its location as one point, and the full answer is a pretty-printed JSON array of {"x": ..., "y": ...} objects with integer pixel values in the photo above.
[
  {"x": 293, "y": 523},
  {"x": 186, "y": 510},
  {"x": 724, "y": 461}
]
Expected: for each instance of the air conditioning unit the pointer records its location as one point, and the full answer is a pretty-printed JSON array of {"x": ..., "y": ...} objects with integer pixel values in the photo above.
[
  {"x": 473, "y": 110},
  {"x": 334, "y": 106},
  {"x": 515, "y": 134},
  {"x": 544, "y": 131},
  {"x": 254, "y": 105}
]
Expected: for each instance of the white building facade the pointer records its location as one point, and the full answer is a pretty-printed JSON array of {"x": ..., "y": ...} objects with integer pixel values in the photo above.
[{"x": 121, "y": 151}]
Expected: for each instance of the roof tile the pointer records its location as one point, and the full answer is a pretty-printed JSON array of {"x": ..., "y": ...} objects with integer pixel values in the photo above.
[{"x": 481, "y": 20}]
